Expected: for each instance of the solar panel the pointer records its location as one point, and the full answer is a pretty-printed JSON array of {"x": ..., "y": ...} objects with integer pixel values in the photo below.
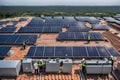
[
  {"x": 15, "y": 23},
  {"x": 17, "y": 39},
  {"x": 63, "y": 51},
  {"x": 60, "y": 52},
  {"x": 110, "y": 19},
  {"x": 31, "y": 52},
  {"x": 112, "y": 51},
  {"x": 7, "y": 30},
  {"x": 30, "y": 30},
  {"x": 69, "y": 36},
  {"x": 49, "y": 24},
  {"x": 4, "y": 50},
  {"x": 117, "y": 16},
  {"x": 118, "y": 19},
  {"x": 78, "y": 29},
  {"x": 92, "y": 52},
  {"x": 79, "y": 52},
  {"x": 38, "y": 22},
  {"x": 3, "y": 38},
  {"x": 11, "y": 39},
  {"x": 102, "y": 51},
  {"x": 79, "y": 36},
  {"x": 71, "y": 52},
  {"x": 3, "y": 22},
  {"x": 91, "y": 20},
  {"x": 100, "y": 27},
  {"x": 30, "y": 39},
  {"x": 44, "y": 29},
  {"x": 39, "y": 52},
  {"x": 49, "y": 51},
  {"x": 23, "y": 19}
]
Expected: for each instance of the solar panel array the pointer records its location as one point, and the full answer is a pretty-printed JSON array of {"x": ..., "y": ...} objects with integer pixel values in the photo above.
[
  {"x": 112, "y": 20},
  {"x": 91, "y": 20},
  {"x": 109, "y": 19},
  {"x": 44, "y": 29},
  {"x": 72, "y": 36},
  {"x": 4, "y": 50},
  {"x": 14, "y": 24},
  {"x": 46, "y": 25},
  {"x": 7, "y": 29},
  {"x": 17, "y": 39},
  {"x": 39, "y": 22},
  {"x": 79, "y": 27},
  {"x": 71, "y": 52},
  {"x": 100, "y": 27},
  {"x": 118, "y": 19},
  {"x": 117, "y": 16},
  {"x": 23, "y": 19},
  {"x": 53, "y": 25},
  {"x": 3, "y": 22},
  {"x": 56, "y": 21},
  {"x": 69, "y": 21}
]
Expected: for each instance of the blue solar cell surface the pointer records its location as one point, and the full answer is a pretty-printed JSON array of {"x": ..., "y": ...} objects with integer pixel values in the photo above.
[
  {"x": 79, "y": 52},
  {"x": 53, "y": 25},
  {"x": 60, "y": 51},
  {"x": 79, "y": 36},
  {"x": 72, "y": 52},
  {"x": 12, "y": 39},
  {"x": 31, "y": 51},
  {"x": 102, "y": 51},
  {"x": 23, "y": 19},
  {"x": 4, "y": 22},
  {"x": 69, "y": 36},
  {"x": 92, "y": 51},
  {"x": 44, "y": 29},
  {"x": 30, "y": 30},
  {"x": 17, "y": 39},
  {"x": 112, "y": 51},
  {"x": 4, "y": 50},
  {"x": 7, "y": 30},
  {"x": 91, "y": 20},
  {"x": 49, "y": 51},
  {"x": 3, "y": 38},
  {"x": 78, "y": 27},
  {"x": 100, "y": 27},
  {"x": 39, "y": 51},
  {"x": 63, "y": 52}
]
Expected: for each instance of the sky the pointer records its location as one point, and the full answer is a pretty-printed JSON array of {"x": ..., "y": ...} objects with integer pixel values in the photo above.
[{"x": 60, "y": 2}]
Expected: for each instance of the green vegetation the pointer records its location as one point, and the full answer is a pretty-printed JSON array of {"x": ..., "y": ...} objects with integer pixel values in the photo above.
[{"x": 98, "y": 11}]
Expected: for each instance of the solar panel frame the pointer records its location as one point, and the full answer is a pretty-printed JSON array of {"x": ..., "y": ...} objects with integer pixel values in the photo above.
[
  {"x": 60, "y": 51},
  {"x": 79, "y": 49},
  {"x": 31, "y": 51},
  {"x": 63, "y": 51},
  {"x": 102, "y": 51},
  {"x": 14, "y": 39},
  {"x": 7, "y": 29},
  {"x": 72, "y": 52},
  {"x": 80, "y": 36},
  {"x": 92, "y": 52},
  {"x": 100, "y": 27},
  {"x": 11, "y": 39},
  {"x": 49, "y": 52},
  {"x": 112, "y": 51},
  {"x": 3, "y": 38}
]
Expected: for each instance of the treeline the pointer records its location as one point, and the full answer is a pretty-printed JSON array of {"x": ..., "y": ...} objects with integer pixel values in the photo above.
[{"x": 97, "y": 11}]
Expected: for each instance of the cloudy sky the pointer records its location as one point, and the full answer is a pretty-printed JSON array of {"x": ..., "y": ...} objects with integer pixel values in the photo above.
[{"x": 60, "y": 2}]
